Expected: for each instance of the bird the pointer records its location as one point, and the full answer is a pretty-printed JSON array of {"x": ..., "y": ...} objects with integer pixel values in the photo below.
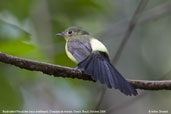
[{"x": 92, "y": 57}]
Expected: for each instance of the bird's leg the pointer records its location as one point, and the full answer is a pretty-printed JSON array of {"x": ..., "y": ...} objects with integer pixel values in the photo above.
[{"x": 78, "y": 69}]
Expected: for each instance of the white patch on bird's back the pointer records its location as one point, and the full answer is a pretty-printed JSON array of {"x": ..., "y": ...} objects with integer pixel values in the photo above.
[
  {"x": 69, "y": 54},
  {"x": 96, "y": 45}
]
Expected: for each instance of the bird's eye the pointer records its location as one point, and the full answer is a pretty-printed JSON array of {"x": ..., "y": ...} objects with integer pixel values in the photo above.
[{"x": 70, "y": 32}]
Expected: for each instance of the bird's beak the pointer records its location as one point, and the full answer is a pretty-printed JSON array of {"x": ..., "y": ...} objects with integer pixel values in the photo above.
[{"x": 60, "y": 34}]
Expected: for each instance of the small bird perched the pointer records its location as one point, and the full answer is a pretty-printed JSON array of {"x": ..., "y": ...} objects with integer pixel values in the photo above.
[{"x": 92, "y": 57}]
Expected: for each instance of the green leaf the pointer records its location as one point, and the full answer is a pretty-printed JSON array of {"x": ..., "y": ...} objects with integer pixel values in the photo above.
[
  {"x": 15, "y": 47},
  {"x": 11, "y": 31}
]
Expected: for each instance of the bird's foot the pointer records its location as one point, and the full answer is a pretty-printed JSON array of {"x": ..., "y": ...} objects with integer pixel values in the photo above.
[{"x": 78, "y": 69}]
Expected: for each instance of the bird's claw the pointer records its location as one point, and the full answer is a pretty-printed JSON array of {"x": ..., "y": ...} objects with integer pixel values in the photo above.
[{"x": 78, "y": 69}]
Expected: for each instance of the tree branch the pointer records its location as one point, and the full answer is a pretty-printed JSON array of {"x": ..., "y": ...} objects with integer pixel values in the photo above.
[
  {"x": 49, "y": 69},
  {"x": 130, "y": 102},
  {"x": 66, "y": 72},
  {"x": 125, "y": 39}
]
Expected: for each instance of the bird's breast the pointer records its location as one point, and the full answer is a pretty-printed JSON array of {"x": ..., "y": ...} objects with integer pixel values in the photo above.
[{"x": 69, "y": 54}]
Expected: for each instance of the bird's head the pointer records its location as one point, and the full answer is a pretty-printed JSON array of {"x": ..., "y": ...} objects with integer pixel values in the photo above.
[{"x": 72, "y": 31}]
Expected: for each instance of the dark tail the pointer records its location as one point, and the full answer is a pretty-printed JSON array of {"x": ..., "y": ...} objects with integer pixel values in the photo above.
[{"x": 99, "y": 67}]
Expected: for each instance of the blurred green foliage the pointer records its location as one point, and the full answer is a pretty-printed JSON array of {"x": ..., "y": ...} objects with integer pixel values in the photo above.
[
  {"x": 14, "y": 47},
  {"x": 9, "y": 98},
  {"x": 19, "y": 8},
  {"x": 22, "y": 34}
]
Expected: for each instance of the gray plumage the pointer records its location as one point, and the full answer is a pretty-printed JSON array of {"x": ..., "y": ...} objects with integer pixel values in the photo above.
[
  {"x": 79, "y": 48},
  {"x": 92, "y": 56},
  {"x": 97, "y": 64}
]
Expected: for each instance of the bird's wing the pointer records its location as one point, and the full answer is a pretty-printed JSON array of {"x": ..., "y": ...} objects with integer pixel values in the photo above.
[
  {"x": 97, "y": 64},
  {"x": 79, "y": 48}
]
